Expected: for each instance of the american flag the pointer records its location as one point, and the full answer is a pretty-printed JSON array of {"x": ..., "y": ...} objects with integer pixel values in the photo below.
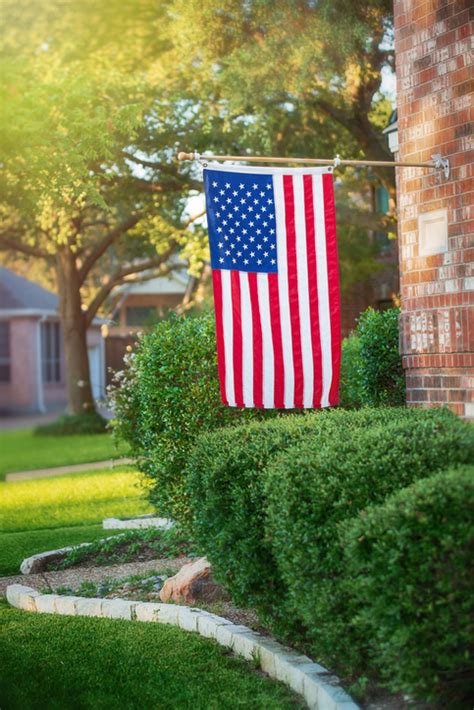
[{"x": 272, "y": 235}]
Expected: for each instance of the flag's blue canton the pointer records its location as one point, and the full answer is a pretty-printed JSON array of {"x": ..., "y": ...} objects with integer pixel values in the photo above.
[{"x": 241, "y": 221}]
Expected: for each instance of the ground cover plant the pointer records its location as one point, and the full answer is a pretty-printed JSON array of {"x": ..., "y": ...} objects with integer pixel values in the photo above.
[
  {"x": 136, "y": 545},
  {"x": 22, "y": 450},
  {"x": 143, "y": 587},
  {"x": 46, "y": 660}
]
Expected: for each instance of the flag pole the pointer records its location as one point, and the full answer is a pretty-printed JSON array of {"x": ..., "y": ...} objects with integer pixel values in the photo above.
[{"x": 437, "y": 161}]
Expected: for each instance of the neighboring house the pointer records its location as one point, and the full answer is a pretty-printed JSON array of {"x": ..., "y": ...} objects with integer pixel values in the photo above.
[
  {"x": 32, "y": 364},
  {"x": 137, "y": 305}
]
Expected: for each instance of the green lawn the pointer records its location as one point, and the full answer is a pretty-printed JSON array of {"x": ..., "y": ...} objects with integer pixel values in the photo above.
[
  {"x": 56, "y": 662},
  {"x": 48, "y": 513},
  {"x": 21, "y": 450},
  {"x": 78, "y": 499}
]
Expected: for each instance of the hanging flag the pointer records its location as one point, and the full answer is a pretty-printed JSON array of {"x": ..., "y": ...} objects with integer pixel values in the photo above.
[{"x": 272, "y": 234}]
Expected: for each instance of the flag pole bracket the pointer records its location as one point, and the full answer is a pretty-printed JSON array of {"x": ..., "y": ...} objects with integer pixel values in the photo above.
[{"x": 437, "y": 161}]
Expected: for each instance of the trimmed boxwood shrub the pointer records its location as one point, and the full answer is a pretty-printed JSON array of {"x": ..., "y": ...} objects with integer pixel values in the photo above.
[
  {"x": 381, "y": 376},
  {"x": 315, "y": 486},
  {"x": 167, "y": 394},
  {"x": 371, "y": 365},
  {"x": 350, "y": 394},
  {"x": 225, "y": 476},
  {"x": 410, "y": 565}
]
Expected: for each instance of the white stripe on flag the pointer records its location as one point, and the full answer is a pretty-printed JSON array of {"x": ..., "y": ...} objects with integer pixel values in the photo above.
[
  {"x": 228, "y": 336},
  {"x": 267, "y": 342},
  {"x": 303, "y": 292},
  {"x": 285, "y": 320},
  {"x": 323, "y": 288},
  {"x": 247, "y": 340}
]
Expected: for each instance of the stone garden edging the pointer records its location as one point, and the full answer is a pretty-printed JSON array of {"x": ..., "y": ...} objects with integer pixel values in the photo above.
[
  {"x": 320, "y": 689},
  {"x": 143, "y": 521}
]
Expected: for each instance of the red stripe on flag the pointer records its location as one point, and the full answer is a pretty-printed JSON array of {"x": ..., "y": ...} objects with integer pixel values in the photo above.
[
  {"x": 237, "y": 337},
  {"x": 217, "y": 283},
  {"x": 257, "y": 342},
  {"x": 333, "y": 284},
  {"x": 313, "y": 290},
  {"x": 293, "y": 289},
  {"x": 274, "y": 302}
]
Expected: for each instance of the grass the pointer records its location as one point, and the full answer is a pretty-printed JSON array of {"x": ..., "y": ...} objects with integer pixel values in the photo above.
[
  {"x": 23, "y": 451},
  {"x": 47, "y": 513},
  {"x": 78, "y": 499},
  {"x": 59, "y": 662}
]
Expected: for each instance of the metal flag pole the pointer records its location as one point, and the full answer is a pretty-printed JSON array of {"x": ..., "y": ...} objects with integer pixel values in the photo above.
[{"x": 437, "y": 161}]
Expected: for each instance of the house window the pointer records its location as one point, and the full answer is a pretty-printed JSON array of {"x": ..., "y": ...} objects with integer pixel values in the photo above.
[
  {"x": 4, "y": 351},
  {"x": 141, "y": 315},
  {"x": 51, "y": 352}
]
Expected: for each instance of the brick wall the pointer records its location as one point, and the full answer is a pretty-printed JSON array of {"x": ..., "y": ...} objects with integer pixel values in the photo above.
[{"x": 435, "y": 79}]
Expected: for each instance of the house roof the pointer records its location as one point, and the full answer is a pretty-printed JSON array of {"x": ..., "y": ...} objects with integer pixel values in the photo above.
[
  {"x": 19, "y": 294},
  {"x": 20, "y": 297},
  {"x": 174, "y": 282}
]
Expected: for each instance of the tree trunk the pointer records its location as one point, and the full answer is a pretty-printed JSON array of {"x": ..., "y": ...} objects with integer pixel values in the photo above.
[{"x": 80, "y": 400}]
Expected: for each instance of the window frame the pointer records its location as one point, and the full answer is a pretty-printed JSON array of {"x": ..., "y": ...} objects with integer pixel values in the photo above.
[{"x": 6, "y": 359}]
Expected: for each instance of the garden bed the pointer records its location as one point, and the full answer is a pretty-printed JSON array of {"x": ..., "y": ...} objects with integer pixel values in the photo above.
[{"x": 130, "y": 546}]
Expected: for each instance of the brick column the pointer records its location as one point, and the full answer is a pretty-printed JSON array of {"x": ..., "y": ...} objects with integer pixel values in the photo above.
[{"x": 434, "y": 49}]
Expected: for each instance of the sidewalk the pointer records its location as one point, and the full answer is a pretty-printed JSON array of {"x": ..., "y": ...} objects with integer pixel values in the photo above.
[{"x": 64, "y": 470}]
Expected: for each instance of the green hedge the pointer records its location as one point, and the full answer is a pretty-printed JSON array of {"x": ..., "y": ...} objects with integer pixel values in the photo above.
[
  {"x": 410, "y": 565},
  {"x": 371, "y": 365},
  {"x": 269, "y": 500},
  {"x": 167, "y": 394},
  {"x": 225, "y": 476},
  {"x": 315, "y": 486}
]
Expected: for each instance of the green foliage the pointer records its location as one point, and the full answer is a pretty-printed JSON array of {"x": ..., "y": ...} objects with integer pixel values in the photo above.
[
  {"x": 269, "y": 501},
  {"x": 166, "y": 396},
  {"x": 409, "y": 562},
  {"x": 226, "y": 474},
  {"x": 67, "y": 424},
  {"x": 51, "y": 661},
  {"x": 382, "y": 380},
  {"x": 350, "y": 394},
  {"x": 371, "y": 365},
  {"x": 315, "y": 486}
]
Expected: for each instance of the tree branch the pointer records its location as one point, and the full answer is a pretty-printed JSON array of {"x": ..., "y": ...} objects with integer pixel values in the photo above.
[
  {"x": 104, "y": 244},
  {"x": 6, "y": 243}
]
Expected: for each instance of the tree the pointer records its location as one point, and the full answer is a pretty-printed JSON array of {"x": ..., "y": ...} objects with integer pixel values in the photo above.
[
  {"x": 80, "y": 97},
  {"x": 300, "y": 74}
]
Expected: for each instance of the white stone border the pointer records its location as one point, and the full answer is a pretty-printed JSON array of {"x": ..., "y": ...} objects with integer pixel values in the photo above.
[
  {"x": 143, "y": 521},
  {"x": 320, "y": 689}
]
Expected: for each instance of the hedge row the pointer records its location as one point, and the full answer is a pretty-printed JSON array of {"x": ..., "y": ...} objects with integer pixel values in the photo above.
[{"x": 270, "y": 503}]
